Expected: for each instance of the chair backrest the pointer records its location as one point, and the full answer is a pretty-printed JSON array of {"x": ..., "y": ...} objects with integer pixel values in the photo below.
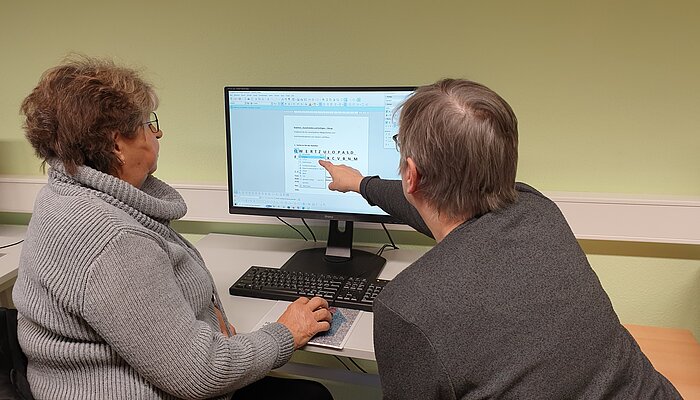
[{"x": 13, "y": 362}]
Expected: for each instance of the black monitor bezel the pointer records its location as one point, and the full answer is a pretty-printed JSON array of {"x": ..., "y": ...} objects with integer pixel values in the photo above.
[{"x": 278, "y": 212}]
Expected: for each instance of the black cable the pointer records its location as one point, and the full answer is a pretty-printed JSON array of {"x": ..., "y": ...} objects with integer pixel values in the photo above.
[
  {"x": 298, "y": 231},
  {"x": 11, "y": 244},
  {"x": 357, "y": 365},
  {"x": 381, "y": 250},
  {"x": 341, "y": 361},
  {"x": 389, "y": 235},
  {"x": 307, "y": 227},
  {"x": 392, "y": 245}
]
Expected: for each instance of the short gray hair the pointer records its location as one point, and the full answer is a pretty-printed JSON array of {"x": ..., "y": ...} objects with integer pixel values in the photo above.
[{"x": 463, "y": 138}]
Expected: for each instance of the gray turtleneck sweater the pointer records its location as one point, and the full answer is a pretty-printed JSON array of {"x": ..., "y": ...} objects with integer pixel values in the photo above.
[{"x": 114, "y": 304}]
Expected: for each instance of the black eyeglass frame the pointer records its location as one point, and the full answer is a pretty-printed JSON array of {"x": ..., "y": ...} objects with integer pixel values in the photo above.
[
  {"x": 150, "y": 123},
  {"x": 396, "y": 141}
]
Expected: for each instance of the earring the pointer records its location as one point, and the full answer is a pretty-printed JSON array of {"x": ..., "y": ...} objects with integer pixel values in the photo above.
[{"x": 121, "y": 161}]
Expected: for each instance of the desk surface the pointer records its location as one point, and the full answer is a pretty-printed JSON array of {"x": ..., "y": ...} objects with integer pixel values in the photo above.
[
  {"x": 229, "y": 256},
  {"x": 9, "y": 256},
  {"x": 673, "y": 352}
]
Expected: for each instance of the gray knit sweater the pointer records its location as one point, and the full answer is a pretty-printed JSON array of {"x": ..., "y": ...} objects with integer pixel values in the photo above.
[
  {"x": 114, "y": 304},
  {"x": 506, "y": 306}
]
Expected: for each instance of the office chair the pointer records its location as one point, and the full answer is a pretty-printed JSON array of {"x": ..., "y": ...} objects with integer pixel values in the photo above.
[{"x": 13, "y": 362}]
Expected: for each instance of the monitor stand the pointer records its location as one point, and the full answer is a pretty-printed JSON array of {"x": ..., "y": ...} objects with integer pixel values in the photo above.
[{"x": 338, "y": 257}]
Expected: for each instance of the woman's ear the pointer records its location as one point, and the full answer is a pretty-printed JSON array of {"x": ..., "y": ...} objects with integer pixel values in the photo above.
[
  {"x": 117, "y": 138},
  {"x": 119, "y": 146}
]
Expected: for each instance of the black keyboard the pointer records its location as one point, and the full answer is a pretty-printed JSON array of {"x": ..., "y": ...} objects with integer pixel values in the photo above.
[{"x": 280, "y": 284}]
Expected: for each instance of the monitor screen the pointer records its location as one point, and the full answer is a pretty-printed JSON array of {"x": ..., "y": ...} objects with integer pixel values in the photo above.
[{"x": 276, "y": 136}]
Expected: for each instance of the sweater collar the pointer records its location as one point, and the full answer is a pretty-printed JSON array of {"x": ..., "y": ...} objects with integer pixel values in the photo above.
[{"x": 155, "y": 198}]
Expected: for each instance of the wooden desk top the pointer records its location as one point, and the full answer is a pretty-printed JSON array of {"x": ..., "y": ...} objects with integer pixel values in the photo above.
[{"x": 675, "y": 353}]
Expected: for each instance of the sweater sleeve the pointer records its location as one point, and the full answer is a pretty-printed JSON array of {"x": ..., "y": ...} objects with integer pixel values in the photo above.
[
  {"x": 132, "y": 300},
  {"x": 408, "y": 364},
  {"x": 388, "y": 195}
]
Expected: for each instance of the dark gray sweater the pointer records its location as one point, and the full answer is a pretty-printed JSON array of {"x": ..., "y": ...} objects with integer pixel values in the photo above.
[{"x": 507, "y": 307}]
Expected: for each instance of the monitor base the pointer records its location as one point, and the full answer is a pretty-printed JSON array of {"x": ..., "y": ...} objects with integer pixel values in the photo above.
[{"x": 361, "y": 263}]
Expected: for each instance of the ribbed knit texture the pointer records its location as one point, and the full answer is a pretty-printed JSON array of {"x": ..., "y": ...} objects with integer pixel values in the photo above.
[
  {"x": 114, "y": 304},
  {"x": 506, "y": 306}
]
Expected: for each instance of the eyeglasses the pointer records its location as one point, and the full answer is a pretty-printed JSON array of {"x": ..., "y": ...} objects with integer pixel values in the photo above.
[
  {"x": 396, "y": 141},
  {"x": 153, "y": 123}
]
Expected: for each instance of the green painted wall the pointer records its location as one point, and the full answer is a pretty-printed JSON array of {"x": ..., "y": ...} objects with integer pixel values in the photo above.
[{"x": 607, "y": 93}]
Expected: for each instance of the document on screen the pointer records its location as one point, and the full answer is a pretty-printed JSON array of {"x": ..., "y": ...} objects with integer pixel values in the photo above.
[{"x": 309, "y": 138}]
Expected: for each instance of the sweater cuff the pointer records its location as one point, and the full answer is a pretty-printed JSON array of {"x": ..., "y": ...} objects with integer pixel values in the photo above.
[
  {"x": 363, "y": 187},
  {"x": 285, "y": 341}
]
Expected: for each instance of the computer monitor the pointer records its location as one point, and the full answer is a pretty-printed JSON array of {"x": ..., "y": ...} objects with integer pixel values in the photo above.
[{"x": 275, "y": 137}]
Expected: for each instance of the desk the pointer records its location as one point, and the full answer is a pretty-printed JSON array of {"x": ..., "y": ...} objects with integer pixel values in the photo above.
[
  {"x": 229, "y": 256},
  {"x": 673, "y": 352},
  {"x": 9, "y": 260}
]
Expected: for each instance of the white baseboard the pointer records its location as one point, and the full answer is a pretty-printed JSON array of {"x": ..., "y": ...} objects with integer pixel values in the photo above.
[{"x": 595, "y": 216}]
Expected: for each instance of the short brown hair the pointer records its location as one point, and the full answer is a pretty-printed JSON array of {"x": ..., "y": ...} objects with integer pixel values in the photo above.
[
  {"x": 75, "y": 109},
  {"x": 463, "y": 138}
]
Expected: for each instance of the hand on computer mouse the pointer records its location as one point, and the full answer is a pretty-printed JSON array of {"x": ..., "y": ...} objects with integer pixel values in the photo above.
[{"x": 306, "y": 317}]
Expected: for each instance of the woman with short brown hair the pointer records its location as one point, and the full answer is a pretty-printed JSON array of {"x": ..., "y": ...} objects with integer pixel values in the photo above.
[{"x": 113, "y": 303}]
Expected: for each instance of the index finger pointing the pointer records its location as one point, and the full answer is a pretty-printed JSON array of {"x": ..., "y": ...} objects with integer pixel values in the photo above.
[{"x": 325, "y": 164}]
